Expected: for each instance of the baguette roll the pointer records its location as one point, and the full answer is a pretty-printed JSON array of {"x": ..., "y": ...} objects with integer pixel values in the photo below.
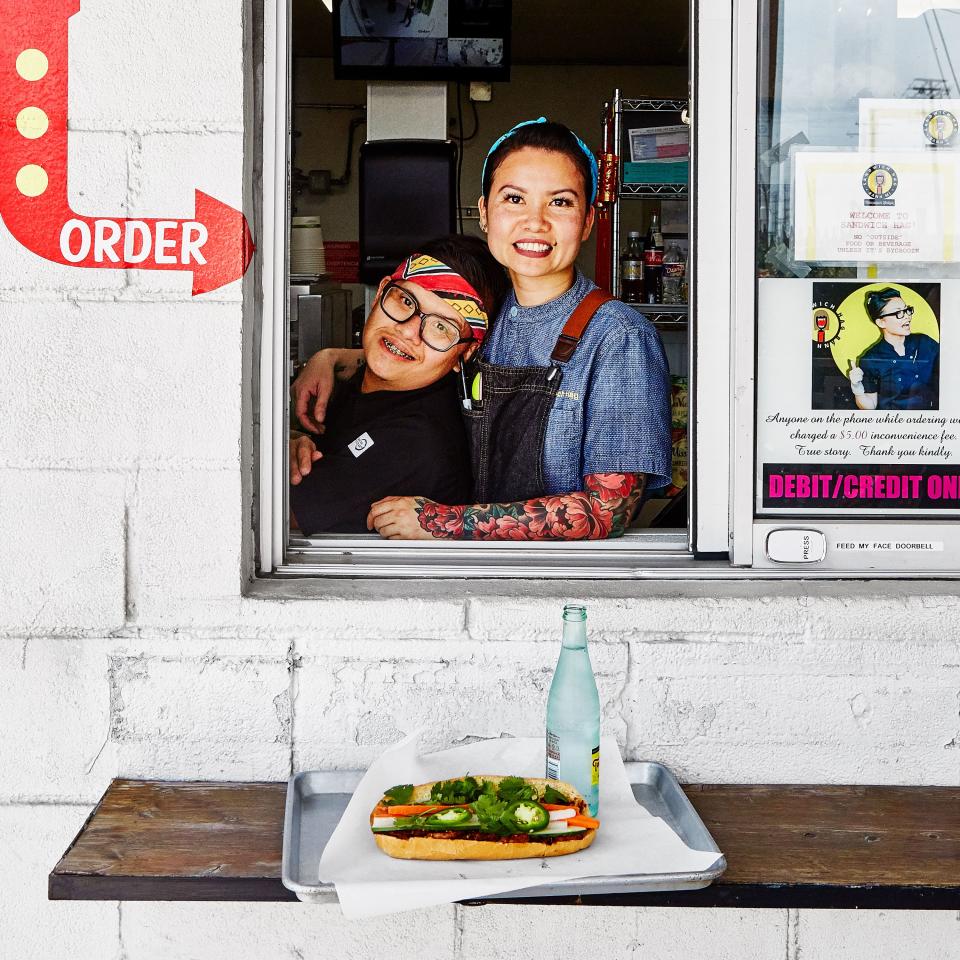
[{"x": 421, "y": 845}]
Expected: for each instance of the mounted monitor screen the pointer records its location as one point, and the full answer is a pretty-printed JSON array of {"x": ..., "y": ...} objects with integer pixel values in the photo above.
[{"x": 422, "y": 39}]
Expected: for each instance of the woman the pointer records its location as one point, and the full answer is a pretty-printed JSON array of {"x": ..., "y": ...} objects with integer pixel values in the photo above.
[{"x": 572, "y": 413}]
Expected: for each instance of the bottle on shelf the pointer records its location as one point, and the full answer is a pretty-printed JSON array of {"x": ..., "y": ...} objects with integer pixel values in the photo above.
[
  {"x": 573, "y": 713},
  {"x": 674, "y": 275},
  {"x": 631, "y": 269},
  {"x": 653, "y": 262}
]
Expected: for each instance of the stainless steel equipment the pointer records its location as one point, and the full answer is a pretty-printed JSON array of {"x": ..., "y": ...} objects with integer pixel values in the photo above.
[{"x": 320, "y": 316}]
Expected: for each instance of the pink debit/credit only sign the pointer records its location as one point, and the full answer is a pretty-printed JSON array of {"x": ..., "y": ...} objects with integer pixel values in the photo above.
[{"x": 853, "y": 415}]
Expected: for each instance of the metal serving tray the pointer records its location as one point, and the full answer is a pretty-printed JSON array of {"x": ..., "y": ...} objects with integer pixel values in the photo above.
[{"x": 316, "y": 801}]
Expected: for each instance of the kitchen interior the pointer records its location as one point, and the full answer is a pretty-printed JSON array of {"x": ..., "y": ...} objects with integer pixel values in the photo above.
[{"x": 617, "y": 73}]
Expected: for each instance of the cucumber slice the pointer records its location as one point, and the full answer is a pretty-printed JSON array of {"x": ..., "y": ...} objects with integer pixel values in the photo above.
[
  {"x": 557, "y": 828},
  {"x": 471, "y": 824}
]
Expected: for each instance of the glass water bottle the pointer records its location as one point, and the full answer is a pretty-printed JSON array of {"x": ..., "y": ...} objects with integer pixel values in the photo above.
[{"x": 573, "y": 713}]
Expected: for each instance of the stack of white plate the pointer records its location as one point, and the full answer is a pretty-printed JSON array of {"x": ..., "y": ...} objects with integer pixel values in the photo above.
[{"x": 306, "y": 246}]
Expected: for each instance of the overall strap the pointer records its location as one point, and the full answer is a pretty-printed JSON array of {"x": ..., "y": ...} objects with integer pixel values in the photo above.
[{"x": 577, "y": 323}]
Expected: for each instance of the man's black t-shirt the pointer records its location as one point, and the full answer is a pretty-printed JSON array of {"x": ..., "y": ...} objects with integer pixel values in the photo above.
[{"x": 382, "y": 444}]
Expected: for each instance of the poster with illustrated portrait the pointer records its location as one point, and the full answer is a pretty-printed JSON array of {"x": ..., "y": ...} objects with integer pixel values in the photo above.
[
  {"x": 854, "y": 416},
  {"x": 875, "y": 346}
]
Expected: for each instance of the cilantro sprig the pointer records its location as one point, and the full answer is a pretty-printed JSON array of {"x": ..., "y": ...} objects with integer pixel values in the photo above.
[
  {"x": 554, "y": 796},
  {"x": 512, "y": 789},
  {"x": 490, "y": 812},
  {"x": 456, "y": 791},
  {"x": 399, "y": 794}
]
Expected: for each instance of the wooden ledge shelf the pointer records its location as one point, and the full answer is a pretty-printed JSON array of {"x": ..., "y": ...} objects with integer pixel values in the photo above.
[{"x": 786, "y": 846}]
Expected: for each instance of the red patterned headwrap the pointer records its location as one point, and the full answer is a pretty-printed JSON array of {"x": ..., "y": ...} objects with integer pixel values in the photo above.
[{"x": 446, "y": 283}]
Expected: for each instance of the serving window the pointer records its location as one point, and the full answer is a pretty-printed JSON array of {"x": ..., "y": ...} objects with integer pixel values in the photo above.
[{"x": 339, "y": 128}]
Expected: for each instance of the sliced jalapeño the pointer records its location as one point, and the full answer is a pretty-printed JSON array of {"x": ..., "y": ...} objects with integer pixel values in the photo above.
[
  {"x": 451, "y": 817},
  {"x": 526, "y": 816}
]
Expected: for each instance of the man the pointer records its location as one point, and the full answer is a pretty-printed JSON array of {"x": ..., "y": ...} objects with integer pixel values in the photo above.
[
  {"x": 395, "y": 426},
  {"x": 901, "y": 371}
]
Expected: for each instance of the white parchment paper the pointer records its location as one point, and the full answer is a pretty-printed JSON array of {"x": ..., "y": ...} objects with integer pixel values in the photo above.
[{"x": 368, "y": 882}]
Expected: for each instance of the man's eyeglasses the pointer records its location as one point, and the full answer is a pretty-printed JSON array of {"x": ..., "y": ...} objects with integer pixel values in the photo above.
[
  {"x": 437, "y": 332},
  {"x": 899, "y": 314}
]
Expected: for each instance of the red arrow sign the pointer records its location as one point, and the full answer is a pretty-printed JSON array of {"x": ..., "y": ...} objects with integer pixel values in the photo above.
[{"x": 215, "y": 244}]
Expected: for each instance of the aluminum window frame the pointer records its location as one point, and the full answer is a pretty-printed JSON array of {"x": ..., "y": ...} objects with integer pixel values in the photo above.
[
  {"x": 273, "y": 253},
  {"x": 749, "y": 532}
]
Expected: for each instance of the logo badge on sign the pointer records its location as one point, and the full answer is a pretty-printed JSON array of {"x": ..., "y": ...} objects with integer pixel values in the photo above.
[
  {"x": 940, "y": 128},
  {"x": 827, "y": 323},
  {"x": 361, "y": 445},
  {"x": 879, "y": 184}
]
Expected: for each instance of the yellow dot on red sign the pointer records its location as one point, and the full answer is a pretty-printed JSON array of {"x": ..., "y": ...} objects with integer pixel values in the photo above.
[
  {"x": 32, "y": 122},
  {"x": 32, "y": 64},
  {"x": 32, "y": 180}
]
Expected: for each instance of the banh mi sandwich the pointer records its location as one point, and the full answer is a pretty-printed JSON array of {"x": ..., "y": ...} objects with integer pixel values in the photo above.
[{"x": 482, "y": 818}]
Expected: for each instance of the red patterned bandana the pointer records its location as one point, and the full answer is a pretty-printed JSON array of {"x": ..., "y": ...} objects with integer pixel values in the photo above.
[{"x": 448, "y": 285}]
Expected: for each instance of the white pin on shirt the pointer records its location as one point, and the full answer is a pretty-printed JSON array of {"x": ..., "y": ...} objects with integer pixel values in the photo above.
[{"x": 361, "y": 445}]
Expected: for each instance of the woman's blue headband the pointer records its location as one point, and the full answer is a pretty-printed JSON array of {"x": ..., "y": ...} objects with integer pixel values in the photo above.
[{"x": 588, "y": 153}]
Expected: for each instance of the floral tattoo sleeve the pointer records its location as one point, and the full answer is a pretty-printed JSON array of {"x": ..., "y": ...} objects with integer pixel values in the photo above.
[{"x": 601, "y": 510}]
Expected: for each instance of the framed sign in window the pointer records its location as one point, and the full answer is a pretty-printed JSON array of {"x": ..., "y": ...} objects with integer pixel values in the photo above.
[{"x": 856, "y": 279}]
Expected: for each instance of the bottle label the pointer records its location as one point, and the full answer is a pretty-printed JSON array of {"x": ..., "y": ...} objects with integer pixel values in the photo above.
[
  {"x": 632, "y": 270},
  {"x": 595, "y": 773},
  {"x": 553, "y": 756},
  {"x": 674, "y": 269},
  {"x": 653, "y": 257}
]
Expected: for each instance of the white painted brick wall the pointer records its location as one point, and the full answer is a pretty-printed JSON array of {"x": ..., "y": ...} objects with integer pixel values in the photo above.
[
  {"x": 55, "y": 697},
  {"x": 186, "y": 931},
  {"x": 216, "y": 717},
  {"x": 811, "y": 712},
  {"x": 508, "y": 932},
  {"x": 456, "y": 689},
  {"x": 128, "y": 648},
  {"x": 32, "y": 839},
  {"x": 867, "y": 934},
  {"x": 184, "y": 539},
  {"x": 138, "y": 64},
  {"x": 61, "y": 552},
  {"x": 106, "y": 385}
]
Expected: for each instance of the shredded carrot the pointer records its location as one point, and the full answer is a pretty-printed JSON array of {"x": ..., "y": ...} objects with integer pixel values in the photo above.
[
  {"x": 558, "y": 806},
  {"x": 415, "y": 809},
  {"x": 583, "y": 821},
  {"x": 379, "y": 811}
]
